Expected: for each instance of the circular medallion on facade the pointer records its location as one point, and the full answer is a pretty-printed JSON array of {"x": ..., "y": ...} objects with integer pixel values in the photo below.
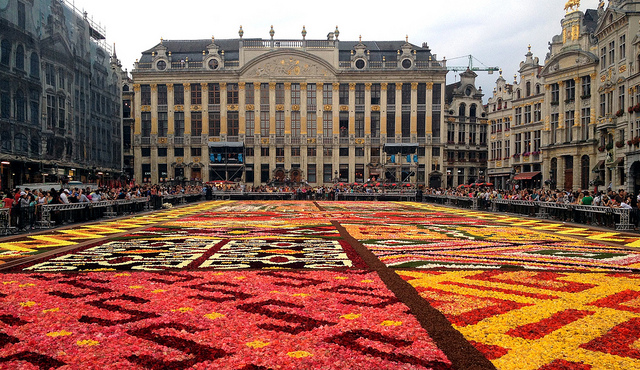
[
  {"x": 360, "y": 63},
  {"x": 407, "y": 63},
  {"x": 161, "y": 65},
  {"x": 213, "y": 64}
]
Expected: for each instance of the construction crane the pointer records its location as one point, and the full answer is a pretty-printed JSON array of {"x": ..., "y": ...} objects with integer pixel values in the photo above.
[{"x": 471, "y": 67}]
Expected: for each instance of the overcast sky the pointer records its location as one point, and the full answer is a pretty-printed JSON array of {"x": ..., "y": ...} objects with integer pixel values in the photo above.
[{"x": 496, "y": 33}]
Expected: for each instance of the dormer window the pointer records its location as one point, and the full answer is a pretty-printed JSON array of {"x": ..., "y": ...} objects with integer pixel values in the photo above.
[
  {"x": 213, "y": 64},
  {"x": 407, "y": 63},
  {"x": 360, "y": 63},
  {"x": 161, "y": 65}
]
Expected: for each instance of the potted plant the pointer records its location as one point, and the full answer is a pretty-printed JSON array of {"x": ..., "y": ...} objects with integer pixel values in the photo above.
[
  {"x": 619, "y": 144},
  {"x": 630, "y": 142},
  {"x": 619, "y": 113},
  {"x": 630, "y": 109},
  {"x": 636, "y": 108}
]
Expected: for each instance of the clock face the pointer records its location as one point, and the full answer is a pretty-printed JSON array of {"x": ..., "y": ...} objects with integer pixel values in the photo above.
[{"x": 4, "y": 4}]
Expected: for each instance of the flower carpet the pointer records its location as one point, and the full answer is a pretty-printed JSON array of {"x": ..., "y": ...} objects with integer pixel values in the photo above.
[{"x": 320, "y": 285}]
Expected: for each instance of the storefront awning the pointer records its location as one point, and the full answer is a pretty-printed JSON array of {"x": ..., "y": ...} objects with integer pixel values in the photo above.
[
  {"x": 598, "y": 167},
  {"x": 526, "y": 175},
  {"x": 228, "y": 144}
]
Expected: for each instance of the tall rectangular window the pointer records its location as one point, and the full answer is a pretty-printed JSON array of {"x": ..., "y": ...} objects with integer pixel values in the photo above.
[
  {"x": 375, "y": 124},
  {"x": 327, "y": 124},
  {"x": 264, "y": 94},
  {"x": 406, "y": 124},
  {"x": 264, "y": 124},
  {"x": 214, "y": 93},
  {"x": 196, "y": 94},
  {"x": 196, "y": 123},
  {"x": 569, "y": 121},
  {"x": 586, "y": 87},
  {"x": 603, "y": 58},
  {"x": 621, "y": 98},
  {"x": 311, "y": 96},
  {"x": 422, "y": 93},
  {"x": 233, "y": 124},
  {"x": 537, "y": 112},
  {"x": 163, "y": 124},
  {"x": 162, "y": 94},
  {"x": 585, "y": 118},
  {"x": 570, "y": 90},
  {"x": 250, "y": 123},
  {"x": 295, "y": 94},
  {"x": 623, "y": 47},
  {"x": 537, "y": 141},
  {"x": 295, "y": 124},
  {"x": 603, "y": 104},
  {"x": 178, "y": 124},
  {"x": 279, "y": 123},
  {"x": 359, "y": 124},
  {"x": 359, "y": 94},
  {"x": 343, "y": 118},
  {"x": 279, "y": 93},
  {"x": 343, "y": 94},
  {"x": 554, "y": 128},
  {"x": 327, "y": 176},
  {"x": 327, "y": 94},
  {"x": 311, "y": 173},
  {"x": 406, "y": 93},
  {"x": 612, "y": 52},
  {"x": 145, "y": 94},
  {"x": 391, "y": 94},
  {"x": 214, "y": 123},
  {"x": 178, "y": 94},
  {"x": 555, "y": 93},
  {"x": 527, "y": 114},
  {"x": 312, "y": 124},
  {"x": 391, "y": 124},
  {"x": 249, "y": 94},
  {"x": 145, "y": 124},
  {"x": 233, "y": 94}
]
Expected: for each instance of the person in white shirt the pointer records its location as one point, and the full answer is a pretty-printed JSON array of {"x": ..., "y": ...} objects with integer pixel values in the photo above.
[{"x": 64, "y": 196}]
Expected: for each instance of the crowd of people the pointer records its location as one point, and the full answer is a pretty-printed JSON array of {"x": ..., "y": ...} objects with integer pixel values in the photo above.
[{"x": 23, "y": 204}]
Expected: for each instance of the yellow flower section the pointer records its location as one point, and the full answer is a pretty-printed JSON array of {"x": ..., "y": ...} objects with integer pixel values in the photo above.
[{"x": 562, "y": 343}]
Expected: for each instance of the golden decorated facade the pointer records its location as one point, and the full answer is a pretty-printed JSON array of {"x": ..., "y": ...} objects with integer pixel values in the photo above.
[{"x": 261, "y": 111}]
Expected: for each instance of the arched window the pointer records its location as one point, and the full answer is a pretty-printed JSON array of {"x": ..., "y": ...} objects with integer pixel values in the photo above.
[
  {"x": 518, "y": 94},
  {"x": 20, "y": 106},
  {"x": 528, "y": 87},
  {"x": 35, "y": 66},
  {"x": 537, "y": 89},
  {"x": 462, "y": 110},
  {"x": 5, "y": 50},
  {"x": 20, "y": 57},
  {"x": 499, "y": 103},
  {"x": 472, "y": 110}
]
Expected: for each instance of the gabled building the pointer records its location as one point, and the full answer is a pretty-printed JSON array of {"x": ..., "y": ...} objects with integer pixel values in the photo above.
[
  {"x": 59, "y": 95},
  {"x": 465, "y": 148}
]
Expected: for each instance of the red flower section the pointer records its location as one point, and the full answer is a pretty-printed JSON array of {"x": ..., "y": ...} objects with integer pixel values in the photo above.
[
  {"x": 501, "y": 290},
  {"x": 541, "y": 280},
  {"x": 618, "y": 340},
  {"x": 617, "y": 301},
  {"x": 537, "y": 330}
]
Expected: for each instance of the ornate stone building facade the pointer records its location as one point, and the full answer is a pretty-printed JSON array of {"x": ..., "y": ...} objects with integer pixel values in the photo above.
[
  {"x": 59, "y": 95},
  {"x": 586, "y": 119},
  {"x": 465, "y": 148},
  {"x": 268, "y": 110}
]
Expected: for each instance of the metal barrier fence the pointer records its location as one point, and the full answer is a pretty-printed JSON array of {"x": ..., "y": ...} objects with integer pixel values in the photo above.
[
  {"x": 618, "y": 218},
  {"x": 44, "y": 216}
]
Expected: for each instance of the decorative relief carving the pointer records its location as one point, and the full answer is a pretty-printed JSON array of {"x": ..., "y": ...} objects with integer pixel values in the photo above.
[
  {"x": 352, "y": 85},
  {"x": 622, "y": 68},
  {"x": 429, "y": 85},
  {"x": 187, "y": 86},
  {"x": 241, "y": 85},
  {"x": 196, "y": 108},
  {"x": 280, "y": 107},
  {"x": 399, "y": 86},
  {"x": 303, "y": 86},
  {"x": 336, "y": 86},
  {"x": 233, "y": 107},
  {"x": 223, "y": 85},
  {"x": 162, "y": 140},
  {"x": 311, "y": 140},
  {"x": 375, "y": 108},
  {"x": 272, "y": 86},
  {"x": 289, "y": 67},
  {"x": 170, "y": 87},
  {"x": 295, "y": 107},
  {"x": 145, "y": 108},
  {"x": 359, "y": 141},
  {"x": 414, "y": 86},
  {"x": 328, "y": 107},
  {"x": 265, "y": 140},
  {"x": 136, "y": 87},
  {"x": 384, "y": 85},
  {"x": 344, "y": 108},
  {"x": 154, "y": 87},
  {"x": 214, "y": 139},
  {"x": 178, "y": 108},
  {"x": 250, "y": 107},
  {"x": 367, "y": 86}
]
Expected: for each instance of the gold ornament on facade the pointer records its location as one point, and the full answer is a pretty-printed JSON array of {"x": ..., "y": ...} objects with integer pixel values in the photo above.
[
  {"x": 414, "y": 86},
  {"x": 336, "y": 86},
  {"x": 344, "y": 108},
  {"x": 572, "y": 5},
  {"x": 429, "y": 85},
  {"x": 178, "y": 108},
  {"x": 154, "y": 87},
  {"x": 603, "y": 78},
  {"x": 196, "y": 159},
  {"x": 287, "y": 85},
  {"x": 256, "y": 87},
  {"x": 575, "y": 32},
  {"x": 233, "y": 107},
  {"x": 196, "y": 108},
  {"x": 272, "y": 86},
  {"x": 622, "y": 68},
  {"x": 179, "y": 160},
  {"x": 204, "y": 86},
  {"x": 398, "y": 86},
  {"x": 352, "y": 86},
  {"x": 214, "y": 139},
  {"x": 264, "y": 140},
  {"x": 145, "y": 108},
  {"x": 359, "y": 141},
  {"x": 162, "y": 140},
  {"x": 384, "y": 86},
  {"x": 327, "y": 107},
  {"x": 295, "y": 107},
  {"x": 311, "y": 140},
  {"x": 136, "y": 87},
  {"x": 375, "y": 108},
  {"x": 280, "y": 107},
  {"x": 241, "y": 85},
  {"x": 170, "y": 88},
  {"x": 367, "y": 86},
  {"x": 187, "y": 86},
  {"x": 319, "y": 86},
  {"x": 250, "y": 107}
]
